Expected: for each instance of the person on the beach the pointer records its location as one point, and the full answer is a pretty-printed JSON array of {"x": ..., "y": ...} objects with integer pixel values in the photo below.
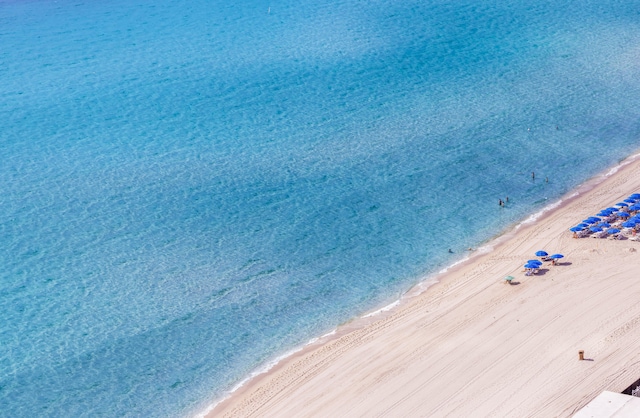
[
  {"x": 506, "y": 199},
  {"x": 533, "y": 175},
  {"x": 500, "y": 202}
]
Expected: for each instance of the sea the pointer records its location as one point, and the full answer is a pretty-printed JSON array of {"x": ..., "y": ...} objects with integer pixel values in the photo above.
[{"x": 190, "y": 190}]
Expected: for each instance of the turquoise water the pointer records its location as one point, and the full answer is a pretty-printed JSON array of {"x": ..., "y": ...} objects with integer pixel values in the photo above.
[{"x": 189, "y": 189}]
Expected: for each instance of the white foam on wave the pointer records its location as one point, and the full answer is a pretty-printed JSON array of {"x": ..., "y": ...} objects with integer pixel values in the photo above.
[
  {"x": 613, "y": 171},
  {"x": 383, "y": 309},
  {"x": 617, "y": 168},
  {"x": 450, "y": 266},
  {"x": 535, "y": 216},
  {"x": 485, "y": 249}
]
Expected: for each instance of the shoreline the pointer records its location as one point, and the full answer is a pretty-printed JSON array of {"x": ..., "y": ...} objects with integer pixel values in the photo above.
[{"x": 428, "y": 285}]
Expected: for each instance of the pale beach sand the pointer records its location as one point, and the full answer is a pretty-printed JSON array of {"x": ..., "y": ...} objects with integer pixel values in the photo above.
[{"x": 473, "y": 345}]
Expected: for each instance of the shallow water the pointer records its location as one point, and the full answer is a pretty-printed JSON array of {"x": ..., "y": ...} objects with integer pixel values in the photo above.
[{"x": 192, "y": 188}]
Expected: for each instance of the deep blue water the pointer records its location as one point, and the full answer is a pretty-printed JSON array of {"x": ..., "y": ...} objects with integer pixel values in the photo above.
[{"x": 188, "y": 189}]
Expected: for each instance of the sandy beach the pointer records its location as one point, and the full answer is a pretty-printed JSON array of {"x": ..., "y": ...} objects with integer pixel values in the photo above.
[{"x": 472, "y": 345}]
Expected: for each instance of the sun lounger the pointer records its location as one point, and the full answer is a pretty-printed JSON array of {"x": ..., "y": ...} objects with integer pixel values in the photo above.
[
  {"x": 583, "y": 233},
  {"x": 635, "y": 238}
]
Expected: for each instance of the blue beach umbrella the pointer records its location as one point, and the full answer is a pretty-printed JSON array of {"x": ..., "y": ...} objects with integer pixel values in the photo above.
[
  {"x": 556, "y": 256},
  {"x": 594, "y": 218},
  {"x": 621, "y": 204},
  {"x": 574, "y": 229},
  {"x": 634, "y": 207},
  {"x": 595, "y": 229},
  {"x": 536, "y": 262},
  {"x": 613, "y": 209},
  {"x": 542, "y": 253},
  {"x": 605, "y": 224},
  {"x": 589, "y": 221},
  {"x": 629, "y": 224},
  {"x": 623, "y": 215},
  {"x": 613, "y": 231},
  {"x": 603, "y": 213},
  {"x": 531, "y": 266},
  {"x": 635, "y": 196},
  {"x": 630, "y": 200},
  {"x": 583, "y": 225}
]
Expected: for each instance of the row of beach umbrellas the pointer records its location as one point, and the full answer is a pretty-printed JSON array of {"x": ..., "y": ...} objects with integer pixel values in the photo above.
[{"x": 596, "y": 224}]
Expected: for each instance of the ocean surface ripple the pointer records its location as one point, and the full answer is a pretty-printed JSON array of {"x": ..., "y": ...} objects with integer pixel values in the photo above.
[{"x": 190, "y": 189}]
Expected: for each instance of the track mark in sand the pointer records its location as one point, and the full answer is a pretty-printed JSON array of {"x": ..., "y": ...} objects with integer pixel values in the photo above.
[{"x": 624, "y": 329}]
